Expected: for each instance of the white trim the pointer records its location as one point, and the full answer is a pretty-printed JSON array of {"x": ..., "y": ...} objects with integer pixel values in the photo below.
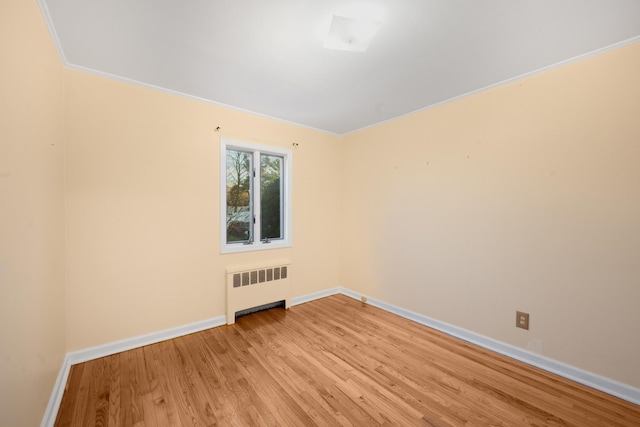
[
  {"x": 314, "y": 296},
  {"x": 286, "y": 179},
  {"x": 161, "y": 89},
  {"x": 587, "y": 55},
  {"x": 142, "y": 340},
  {"x": 609, "y": 386},
  {"x": 108, "y": 349},
  {"x": 67, "y": 64},
  {"x": 52, "y": 31},
  {"x": 50, "y": 414},
  {"x": 614, "y": 388}
]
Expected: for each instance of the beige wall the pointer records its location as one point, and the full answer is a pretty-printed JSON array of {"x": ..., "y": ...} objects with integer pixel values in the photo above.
[
  {"x": 142, "y": 187},
  {"x": 524, "y": 197},
  {"x": 32, "y": 341}
]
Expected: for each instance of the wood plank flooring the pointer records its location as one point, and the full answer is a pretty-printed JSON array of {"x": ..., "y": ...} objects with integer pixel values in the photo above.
[{"x": 331, "y": 362}]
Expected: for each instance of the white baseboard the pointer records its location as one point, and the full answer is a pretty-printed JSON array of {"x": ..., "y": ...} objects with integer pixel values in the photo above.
[
  {"x": 56, "y": 395},
  {"x": 623, "y": 391},
  {"x": 108, "y": 349},
  {"x": 314, "y": 296},
  {"x": 609, "y": 386},
  {"x": 140, "y": 341}
]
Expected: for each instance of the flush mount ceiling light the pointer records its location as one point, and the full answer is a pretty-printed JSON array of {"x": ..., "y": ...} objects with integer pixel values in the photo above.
[{"x": 353, "y": 35}]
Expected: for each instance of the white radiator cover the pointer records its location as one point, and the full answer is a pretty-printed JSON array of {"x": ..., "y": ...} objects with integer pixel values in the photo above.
[{"x": 256, "y": 285}]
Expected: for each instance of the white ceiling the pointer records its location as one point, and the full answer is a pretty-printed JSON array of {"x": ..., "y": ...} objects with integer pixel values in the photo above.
[{"x": 266, "y": 56}]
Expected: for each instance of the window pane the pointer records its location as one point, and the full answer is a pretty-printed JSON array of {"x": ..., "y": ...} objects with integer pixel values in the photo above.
[
  {"x": 271, "y": 197},
  {"x": 239, "y": 212},
  {"x": 255, "y": 185}
]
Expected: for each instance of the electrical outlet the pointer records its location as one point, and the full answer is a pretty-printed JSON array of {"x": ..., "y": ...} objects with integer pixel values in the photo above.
[{"x": 522, "y": 320}]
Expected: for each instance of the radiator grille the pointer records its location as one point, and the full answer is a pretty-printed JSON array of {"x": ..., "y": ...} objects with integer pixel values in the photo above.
[
  {"x": 259, "y": 276},
  {"x": 250, "y": 287}
]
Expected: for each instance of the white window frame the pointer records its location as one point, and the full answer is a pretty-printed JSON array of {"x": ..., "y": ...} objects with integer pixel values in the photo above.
[{"x": 256, "y": 150}]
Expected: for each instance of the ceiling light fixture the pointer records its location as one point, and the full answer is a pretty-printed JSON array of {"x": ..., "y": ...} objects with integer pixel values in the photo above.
[{"x": 353, "y": 35}]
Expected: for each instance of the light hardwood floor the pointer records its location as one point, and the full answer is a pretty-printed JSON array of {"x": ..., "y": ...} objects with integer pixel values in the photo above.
[{"x": 334, "y": 361}]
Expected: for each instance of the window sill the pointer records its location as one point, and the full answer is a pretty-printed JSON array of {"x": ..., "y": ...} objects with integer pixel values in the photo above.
[{"x": 241, "y": 247}]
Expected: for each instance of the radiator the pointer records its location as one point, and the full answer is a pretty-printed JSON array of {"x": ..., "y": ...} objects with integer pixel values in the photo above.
[{"x": 253, "y": 286}]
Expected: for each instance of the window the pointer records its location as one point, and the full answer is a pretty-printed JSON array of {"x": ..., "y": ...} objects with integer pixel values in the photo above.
[{"x": 255, "y": 197}]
